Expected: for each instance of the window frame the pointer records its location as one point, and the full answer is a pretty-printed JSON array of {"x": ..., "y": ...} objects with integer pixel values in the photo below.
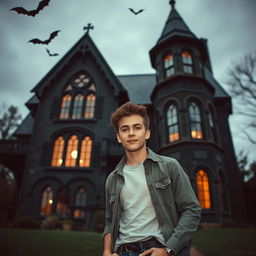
[{"x": 176, "y": 124}]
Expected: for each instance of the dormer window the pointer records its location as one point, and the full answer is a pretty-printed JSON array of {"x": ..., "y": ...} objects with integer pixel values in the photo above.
[
  {"x": 187, "y": 62},
  {"x": 169, "y": 65},
  {"x": 78, "y": 101}
]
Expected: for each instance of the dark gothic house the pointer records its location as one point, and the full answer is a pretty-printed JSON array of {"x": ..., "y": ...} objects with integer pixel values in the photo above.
[{"x": 71, "y": 147}]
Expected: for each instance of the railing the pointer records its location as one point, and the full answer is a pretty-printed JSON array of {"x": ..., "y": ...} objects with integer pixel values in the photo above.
[{"x": 16, "y": 147}]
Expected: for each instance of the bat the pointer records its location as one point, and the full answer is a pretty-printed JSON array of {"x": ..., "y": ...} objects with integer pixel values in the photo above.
[
  {"x": 136, "y": 12},
  {"x": 21, "y": 10},
  {"x": 38, "y": 41},
  {"x": 51, "y": 54}
]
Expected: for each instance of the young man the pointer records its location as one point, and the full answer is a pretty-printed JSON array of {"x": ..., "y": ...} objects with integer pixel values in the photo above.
[{"x": 151, "y": 208}]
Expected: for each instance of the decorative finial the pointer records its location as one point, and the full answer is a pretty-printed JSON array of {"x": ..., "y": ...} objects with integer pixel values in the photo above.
[
  {"x": 172, "y": 3},
  {"x": 88, "y": 27}
]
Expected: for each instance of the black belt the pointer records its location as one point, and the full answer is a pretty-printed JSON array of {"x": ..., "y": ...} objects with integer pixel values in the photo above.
[{"x": 139, "y": 246}]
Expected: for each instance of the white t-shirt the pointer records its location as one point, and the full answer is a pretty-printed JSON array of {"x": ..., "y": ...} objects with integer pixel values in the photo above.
[{"x": 138, "y": 218}]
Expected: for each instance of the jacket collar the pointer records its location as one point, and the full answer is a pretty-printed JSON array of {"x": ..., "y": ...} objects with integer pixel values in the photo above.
[{"x": 151, "y": 156}]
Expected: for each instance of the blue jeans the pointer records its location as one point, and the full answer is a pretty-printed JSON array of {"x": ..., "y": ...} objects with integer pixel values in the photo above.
[{"x": 129, "y": 254}]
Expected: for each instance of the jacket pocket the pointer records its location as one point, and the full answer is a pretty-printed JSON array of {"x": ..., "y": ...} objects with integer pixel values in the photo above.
[{"x": 163, "y": 184}]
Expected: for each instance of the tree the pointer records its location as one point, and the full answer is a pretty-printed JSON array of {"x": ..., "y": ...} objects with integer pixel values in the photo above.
[
  {"x": 9, "y": 120},
  {"x": 242, "y": 85}
]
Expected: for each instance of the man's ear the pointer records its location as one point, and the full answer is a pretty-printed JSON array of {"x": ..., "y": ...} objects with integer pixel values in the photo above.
[
  {"x": 148, "y": 133},
  {"x": 117, "y": 137}
]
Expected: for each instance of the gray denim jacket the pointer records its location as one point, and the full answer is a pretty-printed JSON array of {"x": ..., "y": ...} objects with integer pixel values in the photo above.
[{"x": 175, "y": 203}]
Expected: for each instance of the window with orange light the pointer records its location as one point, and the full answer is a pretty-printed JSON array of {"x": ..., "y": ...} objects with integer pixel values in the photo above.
[
  {"x": 72, "y": 151},
  {"x": 187, "y": 62},
  {"x": 57, "y": 155},
  {"x": 195, "y": 121},
  {"x": 63, "y": 202},
  {"x": 169, "y": 65},
  {"x": 86, "y": 150},
  {"x": 79, "y": 98},
  {"x": 80, "y": 203},
  {"x": 78, "y": 150},
  {"x": 90, "y": 106},
  {"x": 65, "y": 106},
  {"x": 203, "y": 189},
  {"x": 46, "y": 201},
  {"x": 172, "y": 123}
]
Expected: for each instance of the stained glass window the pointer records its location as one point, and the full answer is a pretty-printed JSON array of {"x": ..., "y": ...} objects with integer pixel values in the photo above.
[
  {"x": 90, "y": 106},
  {"x": 72, "y": 151},
  {"x": 57, "y": 155},
  {"x": 203, "y": 189},
  {"x": 65, "y": 106},
  {"x": 86, "y": 150}
]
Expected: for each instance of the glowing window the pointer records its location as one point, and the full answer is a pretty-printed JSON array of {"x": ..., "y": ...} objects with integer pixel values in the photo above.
[
  {"x": 65, "y": 106},
  {"x": 80, "y": 203},
  {"x": 169, "y": 65},
  {"x": 46, "y": 201},
  {"x": 172, "y": 123},
  {"x": 78, "y": 106},
  {"x": 57, "y": 155},
  {"x": 90, "y": 106},
  {"x": 203, "y": 189},
  {"x": 195, "y": 121},
  {"x": 72, "y": 151},
  {"x": 63, "y": 201},
  {"x": 187, "y": 62},
  {"x": 86, "y": 150}
]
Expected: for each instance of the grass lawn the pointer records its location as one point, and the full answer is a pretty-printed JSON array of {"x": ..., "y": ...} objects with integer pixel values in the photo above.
[
  {"x": 21, "y": 242},
  {"x": 226, "y": 242},
  {"x": 210, "y": 242}
]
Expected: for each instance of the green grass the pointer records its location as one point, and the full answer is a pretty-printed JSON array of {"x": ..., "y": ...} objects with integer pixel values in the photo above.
[
  {"x": 226, "y": 242},
  {"x": 20, "y": 242},
  {"x": 210, "y": 242}
]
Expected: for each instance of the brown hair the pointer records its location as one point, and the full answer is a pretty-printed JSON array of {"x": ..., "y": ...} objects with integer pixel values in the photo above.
[{"x": 129, "y": 109}]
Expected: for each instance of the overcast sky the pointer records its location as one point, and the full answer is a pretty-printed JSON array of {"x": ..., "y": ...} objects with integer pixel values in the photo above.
[{"x": 123, "y": 39}]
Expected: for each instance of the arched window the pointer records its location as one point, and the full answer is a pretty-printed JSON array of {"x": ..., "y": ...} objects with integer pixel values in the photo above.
[
  {"x": 79, "y": 98},
  {"x": 90, "y": 106},
  {"x": 195, "y": 121},
  {"x": 65, "y": 106},
  {"x": 169, "y": 65},
  {"x": 172, "y": 123},
  {"x": 203, "y": 189},
  {"x": 72, "y": 151},
  {"x": 63, "y": 202},
  {"x": 86, "y": 150},
  {"x": 212, "y": 125},
  {"x": 80, "y": 203},
  {"x": 46, "y": 201},
  {"x": 78, "y": 106},
  {"x": 57, "y": 155},
  {"x": 187, "y": 62}
]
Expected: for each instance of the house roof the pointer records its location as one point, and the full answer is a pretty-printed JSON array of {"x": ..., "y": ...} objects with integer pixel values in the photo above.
[
  {"x": 83, "y": 46},
  {"x": 175, "y": 26},
  {"x": 26, "y": 127}
]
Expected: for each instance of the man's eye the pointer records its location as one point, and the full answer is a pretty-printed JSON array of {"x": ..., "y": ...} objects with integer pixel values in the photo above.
[{"x": 138, "y": 127}]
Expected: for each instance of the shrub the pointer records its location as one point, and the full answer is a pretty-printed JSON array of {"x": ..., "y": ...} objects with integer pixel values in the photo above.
[
  {"x": 51, "y": 222},
  {"x": 27, "y": 223},
  {"x": 99, "y": 221}
]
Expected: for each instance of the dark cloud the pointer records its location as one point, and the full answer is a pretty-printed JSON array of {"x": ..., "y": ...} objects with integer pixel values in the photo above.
[{"x": 123, "y": 38}]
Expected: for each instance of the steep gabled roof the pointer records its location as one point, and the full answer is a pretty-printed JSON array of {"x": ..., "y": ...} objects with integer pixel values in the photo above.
[
  {"x": 175, "y": 26},
  {"x": 83, "y": 46}
]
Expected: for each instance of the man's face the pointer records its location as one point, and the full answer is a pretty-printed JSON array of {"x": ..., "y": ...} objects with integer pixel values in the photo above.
[{"x": 132, "y": 133}]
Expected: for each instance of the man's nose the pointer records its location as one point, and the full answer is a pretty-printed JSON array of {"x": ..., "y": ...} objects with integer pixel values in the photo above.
[{"x": 131, "y": 132}]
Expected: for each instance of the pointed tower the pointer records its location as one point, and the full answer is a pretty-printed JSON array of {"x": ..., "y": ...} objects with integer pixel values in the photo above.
[{"x": 191, "y": 119}]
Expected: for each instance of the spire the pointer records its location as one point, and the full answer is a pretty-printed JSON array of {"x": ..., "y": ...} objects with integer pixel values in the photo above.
[
  {"x": 172, "y": 3},
  {"x": 175, "y": 26}
]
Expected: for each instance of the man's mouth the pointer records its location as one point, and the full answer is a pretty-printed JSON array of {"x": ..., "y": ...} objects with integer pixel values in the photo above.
[{"x": 132, "y": 141}]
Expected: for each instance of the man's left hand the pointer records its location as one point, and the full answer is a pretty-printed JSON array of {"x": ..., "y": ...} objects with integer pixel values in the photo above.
[{"x": 155, "y": 252}]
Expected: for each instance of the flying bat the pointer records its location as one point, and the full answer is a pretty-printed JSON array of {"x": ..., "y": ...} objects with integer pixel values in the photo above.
[
  {"x": 51, "y": 54},
  {"x": 38, "y": 41},
  {"x": 136, "y": 12},
  {"x": 21, "y": 10}
]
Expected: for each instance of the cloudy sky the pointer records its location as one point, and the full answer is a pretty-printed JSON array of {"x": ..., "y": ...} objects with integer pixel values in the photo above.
[{"x": 123, "y": 39}]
